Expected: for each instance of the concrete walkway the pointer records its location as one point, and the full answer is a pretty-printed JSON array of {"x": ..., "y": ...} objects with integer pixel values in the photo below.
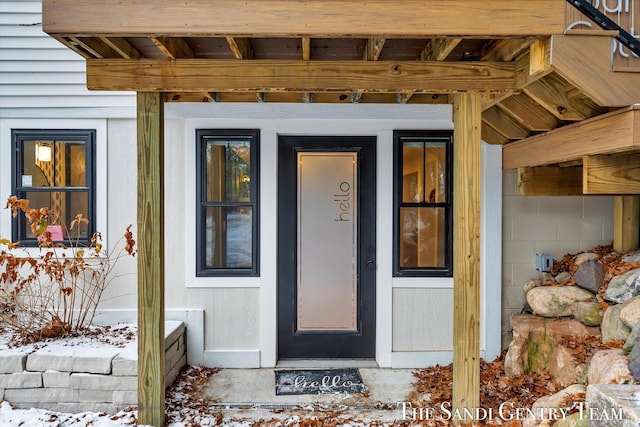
[{"x": 250, "y": 393}]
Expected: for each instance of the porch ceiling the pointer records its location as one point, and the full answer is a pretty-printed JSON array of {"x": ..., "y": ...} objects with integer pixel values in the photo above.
[{"x": 348, "y": 51}]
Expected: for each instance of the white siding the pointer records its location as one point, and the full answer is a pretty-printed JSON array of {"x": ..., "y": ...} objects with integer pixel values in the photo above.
[{"x": 38, "y": 72}]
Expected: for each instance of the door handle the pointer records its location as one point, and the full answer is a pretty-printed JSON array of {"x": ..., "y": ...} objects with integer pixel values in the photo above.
[{"x": 371, "y": 264}]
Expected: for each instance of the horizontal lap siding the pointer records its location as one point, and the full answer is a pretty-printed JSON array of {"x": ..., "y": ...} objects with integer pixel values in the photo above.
[{"x": 37, "y": 71}]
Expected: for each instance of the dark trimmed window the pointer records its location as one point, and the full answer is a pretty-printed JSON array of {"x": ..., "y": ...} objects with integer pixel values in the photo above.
[
  {"x": 227, "y": 199},
  {"x": 422, "y": 213},
  {"x": 55, "y": 169}
]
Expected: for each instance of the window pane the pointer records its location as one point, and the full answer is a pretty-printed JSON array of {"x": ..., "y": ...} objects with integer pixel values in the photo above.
[
  {"x": 67, "y": 205},
  {"x": 48, "y": 163},
  {"x": 422, "y": 237},
  {"x": 435, "y": 172},
  {"x": 228, "y": 237},
  {"x": 412, "y": 172},
  {"x": 228, "y": 169}
]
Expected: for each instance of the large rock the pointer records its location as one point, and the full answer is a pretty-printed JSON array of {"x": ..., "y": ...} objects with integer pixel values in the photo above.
[
  {"x": 624, "y": 287},
  {"x": 590, "y": 276},
  {"x": 614, "y": 329},
  {"x": 613, "y": 405},
  {"x": 630, "y": 312},
  {"x": 535, "y": 345},
  {"x": 609, "y": 367},
  {"x": 584, "y": 257},
  {"x": 587, "y": 312},
  {"x": 555, "y": 301},
  {"x": 574, "y": 420},
  {"x": 634, "y": 362},
  {"x": 634, "y": 337},
  {"x": 541, "y": 407}
]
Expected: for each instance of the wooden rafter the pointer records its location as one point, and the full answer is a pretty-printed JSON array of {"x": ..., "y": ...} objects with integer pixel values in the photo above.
[
  {"x": 172, "y": 47},
  {"x": 552, "y": 93},
  {"x": 529, "y": 113},
  {"x": 505, "y": 49},
  {"x": 197, "y": 75},
  {"x": 436, "y": 50},
  {"x": 122, "y": 47},
  {"x": 241, "y": 47},
  {"x": 307, "y": 97},
  {"x": 372, "y": 51},
  {"x": 504, "y": 123}
]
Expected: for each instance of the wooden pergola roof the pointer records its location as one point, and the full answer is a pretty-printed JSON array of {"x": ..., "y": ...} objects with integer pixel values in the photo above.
[{"x": 509, "y": 68}]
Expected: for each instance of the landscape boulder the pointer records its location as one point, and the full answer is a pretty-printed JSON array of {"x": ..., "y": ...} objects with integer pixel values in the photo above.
[
  {"x": 634, "y": 362},
  {"x": 634, "y": 337},
  {"x": 609, "y": 367},
  {"x": 587, "y": 312},
  {"x": 584, "y": 257},
  {"x": 555, "y": 301},
  {"x": 623, "y": 287},
  {"x": 545, "y": 403},
  {"x": 590, "y": 276},
  {"x": 563, "y": 278},
  {"x": 630, "y": 312},
  {"x": 536, "y": 344},
  {"x": 614, "y": 329}
]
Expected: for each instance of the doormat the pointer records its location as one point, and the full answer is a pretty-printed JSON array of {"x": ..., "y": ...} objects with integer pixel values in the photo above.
[{"x": 319, "y": 381}]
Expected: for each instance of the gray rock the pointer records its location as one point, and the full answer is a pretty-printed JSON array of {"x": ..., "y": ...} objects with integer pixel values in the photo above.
[
  {"x": 634, "y": 362},
  {"x": 634, "y": 337},
  {"x": 624, "y": 287},
  {"x": 609, "y": 367},
  {"x": 590, "y": 276},
  {"x": 555, "y": 301},
  {"x": 613, "y": 329},
  {"x": 584, "y": 257},
  {"x": 587, "y": 312},
  {"x": 615, "y": 400},
  {"x": 563, "y": 278},
  {"x": 630, "y": 257},
  {"x": 630, "y": 313}
]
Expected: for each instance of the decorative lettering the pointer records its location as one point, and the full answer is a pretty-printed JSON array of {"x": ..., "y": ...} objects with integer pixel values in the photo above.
[{"x": 344, "y": 202}]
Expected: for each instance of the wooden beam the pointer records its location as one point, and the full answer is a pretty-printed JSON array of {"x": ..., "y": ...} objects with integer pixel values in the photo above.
[
  {"x": 94, "y": 47},
  {"x": 609, "y": 133},
  {"x": 529, "y": 113},
  {"x": 151, "y": 358},
  {"x": 552, "y": 92},
  {"x": 504, "y": 123},
  {"x": 612, "y": 174},
  {"x": 372, "y": 51},
  {"x": 549, "y": 181},
  {"x": 326, "y": 18},
  {"x": 197, "y": 75},
  {"x": 492, "y": 136},
  {"x": 436, "y": 50},
  {"x": 532, "y": 65},
  {"x": 505, "y": 49},
  {"x": 626, "y": 223},
  {"x": 241, "y": 47},
  {"x": 307, "y": 97},
  {"x": 585, "y": 61},
  {"x": 466, "y": 251}
]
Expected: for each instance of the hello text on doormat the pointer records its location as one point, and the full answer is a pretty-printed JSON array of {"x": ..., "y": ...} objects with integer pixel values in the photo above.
[{"x": 319, "y": 381}]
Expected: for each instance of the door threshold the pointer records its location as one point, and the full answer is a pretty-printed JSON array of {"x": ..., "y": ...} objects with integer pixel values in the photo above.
[{"x": 327, "y": 363}]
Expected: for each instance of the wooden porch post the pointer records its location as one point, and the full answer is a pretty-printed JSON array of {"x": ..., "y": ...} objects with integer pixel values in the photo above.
[
  {"x": 626, "y": 223},
  {"x": 466, "y": 250},
  {"x": 150, "y": 115}
]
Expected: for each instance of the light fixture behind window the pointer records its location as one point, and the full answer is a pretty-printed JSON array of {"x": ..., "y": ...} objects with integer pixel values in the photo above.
[{"x": 43, "y": 152}]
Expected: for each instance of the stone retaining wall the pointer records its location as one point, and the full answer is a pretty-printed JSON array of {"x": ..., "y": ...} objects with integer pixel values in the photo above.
[{"x": 77, "y": 379}]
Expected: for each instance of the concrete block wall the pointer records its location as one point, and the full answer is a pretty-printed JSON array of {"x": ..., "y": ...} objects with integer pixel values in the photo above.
[
  {"x": 83, "y": 379},
  {"x": 551, "y": 225}
]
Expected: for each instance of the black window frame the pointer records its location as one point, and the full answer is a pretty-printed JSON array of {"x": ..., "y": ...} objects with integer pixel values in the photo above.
[
  {"x": 400, "y": 137},
  {"x": 203, "y": 136},
  {"x": 19, "y": 226}
]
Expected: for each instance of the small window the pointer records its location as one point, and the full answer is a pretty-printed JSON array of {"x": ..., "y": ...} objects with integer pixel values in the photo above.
[
  {"x": 227, "y": 198},
  {"x": 422, "y": 203},
  {"x": 55, "y": 169}
]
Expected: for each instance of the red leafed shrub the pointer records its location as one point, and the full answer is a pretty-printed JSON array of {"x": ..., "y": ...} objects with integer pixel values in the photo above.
[{"x": 57, "y": 290}]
